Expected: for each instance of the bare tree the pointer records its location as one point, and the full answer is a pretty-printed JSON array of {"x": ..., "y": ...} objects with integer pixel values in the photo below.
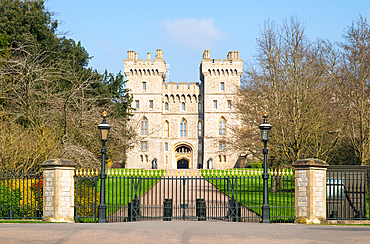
[
  {"x": 353, "y": 79},
  {"x": 49, "y": 108},
  {"x": 289, "y": 79}
]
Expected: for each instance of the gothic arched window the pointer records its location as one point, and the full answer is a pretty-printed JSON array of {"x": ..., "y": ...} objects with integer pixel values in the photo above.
[
  {"x": 144, "y": 127},
  {"x": 166, "y": 129},
  {"x": 166, "y": 106},
  {"x": 183, "y": 106},
  {"x": 222, "y": 127},
  {"x": 183, "y": 128}
]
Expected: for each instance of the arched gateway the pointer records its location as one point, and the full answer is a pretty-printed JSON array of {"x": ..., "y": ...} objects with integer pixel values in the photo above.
[{"x": 183, "y": 156}]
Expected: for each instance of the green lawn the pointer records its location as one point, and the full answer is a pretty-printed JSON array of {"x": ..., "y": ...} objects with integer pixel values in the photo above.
[
  {"x": 247, "y": 188},
  {"x": 123, "y": 185}
]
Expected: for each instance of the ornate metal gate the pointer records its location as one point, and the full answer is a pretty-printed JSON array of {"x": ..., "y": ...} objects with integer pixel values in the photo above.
[{"x": 137, "y": 195}]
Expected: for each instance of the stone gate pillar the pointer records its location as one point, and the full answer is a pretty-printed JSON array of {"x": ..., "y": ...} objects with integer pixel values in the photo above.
[
  {"x": 58, "y": 205},
  {"x": 310, "y": 191}
]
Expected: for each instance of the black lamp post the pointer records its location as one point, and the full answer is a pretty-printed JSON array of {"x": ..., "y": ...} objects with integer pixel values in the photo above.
[
  {"x": 102, "y": 209},
  {"x": 265, "y": 128}
]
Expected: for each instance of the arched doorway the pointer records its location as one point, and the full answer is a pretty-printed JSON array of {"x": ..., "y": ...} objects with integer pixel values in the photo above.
[
  {"x": 183, "y": 164},
  {"x": 183, "y": 156}
]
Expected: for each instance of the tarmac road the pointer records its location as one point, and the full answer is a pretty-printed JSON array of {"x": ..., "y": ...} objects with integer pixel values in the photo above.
[{"x": 182, "y": 232}]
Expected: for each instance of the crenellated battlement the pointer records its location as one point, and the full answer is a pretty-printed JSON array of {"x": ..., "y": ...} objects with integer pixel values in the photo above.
[
  {"x": 148, "y": 67},
  {"x": 181, "y": 87},
  {"x": 231, "y": 66}
]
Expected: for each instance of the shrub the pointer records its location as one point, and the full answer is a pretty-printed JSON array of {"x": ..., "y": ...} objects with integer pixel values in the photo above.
[
  {"x": 86, "y": 204},
  {"x": 256, "y": 165},
  {"x": 30, "y": 192},
  {"x": 9, "y": 200}
]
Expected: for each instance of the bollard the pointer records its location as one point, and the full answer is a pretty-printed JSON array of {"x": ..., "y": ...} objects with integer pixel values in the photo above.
[
  {"x": 167, "y": 210},
  {"x": 201, "y": 209},
  {"x": 134, "y": 210},
  {"x": 37, "y": 214},
  {"x": 234, "y": 210}
]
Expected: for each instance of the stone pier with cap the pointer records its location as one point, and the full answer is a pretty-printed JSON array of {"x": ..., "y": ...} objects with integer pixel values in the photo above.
[
  {"x": 58, "y": 200},
  {"x": 310, "y": 194}
]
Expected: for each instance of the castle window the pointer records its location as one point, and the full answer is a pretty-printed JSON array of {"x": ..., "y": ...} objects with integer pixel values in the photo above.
[
  {"x": 221, "y": 146},
  {"x": 199, "y": 107},
  {"x": 219, "y": 158},
  {"x": 141, "y": 158},
  {"x": 166, "y": 106},
  {"x": 199, "y": 129},
  {"x": 151, "y": 104},
  {"x": 144, "y": 146},
  {"x": 222, "y": 86},
  {"x": 222, "y": 127},
  {"x": 146, "y": 158},
  {"x": 166, "y": 129},
  {"x": 225, "y": 158},
  {"x": 137, "y": 104},
  {"x": 144, "y": 127},
  {"x": 144, "y": 86},
  {"x": 229, "y": 104},
  {"x": 183, "y": 128},
  {"x": 166, "y": 147},
  {"x": 183, "y": 106},
  {"x": 215, "y": 104}
]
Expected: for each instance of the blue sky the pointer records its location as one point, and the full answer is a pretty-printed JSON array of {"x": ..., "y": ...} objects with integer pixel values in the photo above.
[{"x": 183, "y": 29}]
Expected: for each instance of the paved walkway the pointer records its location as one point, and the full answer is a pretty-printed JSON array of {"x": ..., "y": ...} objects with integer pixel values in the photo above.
[{"x": 182, "y": 232}]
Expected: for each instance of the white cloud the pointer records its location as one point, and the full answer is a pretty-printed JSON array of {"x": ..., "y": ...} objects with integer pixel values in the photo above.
[
  {"x": 107, "y": 47},
  {"x": 193, "y": 33}
]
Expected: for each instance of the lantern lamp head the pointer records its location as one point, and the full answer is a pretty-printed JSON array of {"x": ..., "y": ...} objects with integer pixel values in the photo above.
[
  {"x": 104, "y": 128},
  {"x": 265, "y": 128}
]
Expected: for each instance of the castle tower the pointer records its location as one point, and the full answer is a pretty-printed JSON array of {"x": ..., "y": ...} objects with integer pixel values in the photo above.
[
  {"x": 182, "y": 124},
  {"x": 220, "y": 82},
  {"x": 144, "y": 79}
]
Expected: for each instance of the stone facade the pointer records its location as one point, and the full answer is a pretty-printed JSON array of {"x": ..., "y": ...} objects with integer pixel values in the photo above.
[{"x": 181, "y": 124}]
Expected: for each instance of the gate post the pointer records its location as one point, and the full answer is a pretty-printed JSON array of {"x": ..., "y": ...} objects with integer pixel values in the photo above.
[
  {"x": 58, "y": 190},
  {"x": 310, "y": 191}
]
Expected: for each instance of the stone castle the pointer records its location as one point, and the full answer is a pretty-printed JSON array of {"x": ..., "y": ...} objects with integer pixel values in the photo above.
[{"x": 181, "y": 124}]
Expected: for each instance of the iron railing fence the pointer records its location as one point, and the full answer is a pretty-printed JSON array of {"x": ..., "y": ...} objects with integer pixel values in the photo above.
[
  {"x": 21, "y": 195},
  {"x": 347, "y": 195},
  {"x": 87, "y": 195},
  {"x": 133, "y": 195}
]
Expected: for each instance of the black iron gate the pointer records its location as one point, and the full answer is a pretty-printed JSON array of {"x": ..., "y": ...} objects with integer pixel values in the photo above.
[
  {"x": 199, "y": 195},
  {"x": 185, "y": 198},
  {"x": 347, "y": 195}
]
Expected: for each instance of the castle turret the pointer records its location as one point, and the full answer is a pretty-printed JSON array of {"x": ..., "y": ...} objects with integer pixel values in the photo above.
[
  {"x": 148, "y": 72},
  {"x": 220, "y": 82}
]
